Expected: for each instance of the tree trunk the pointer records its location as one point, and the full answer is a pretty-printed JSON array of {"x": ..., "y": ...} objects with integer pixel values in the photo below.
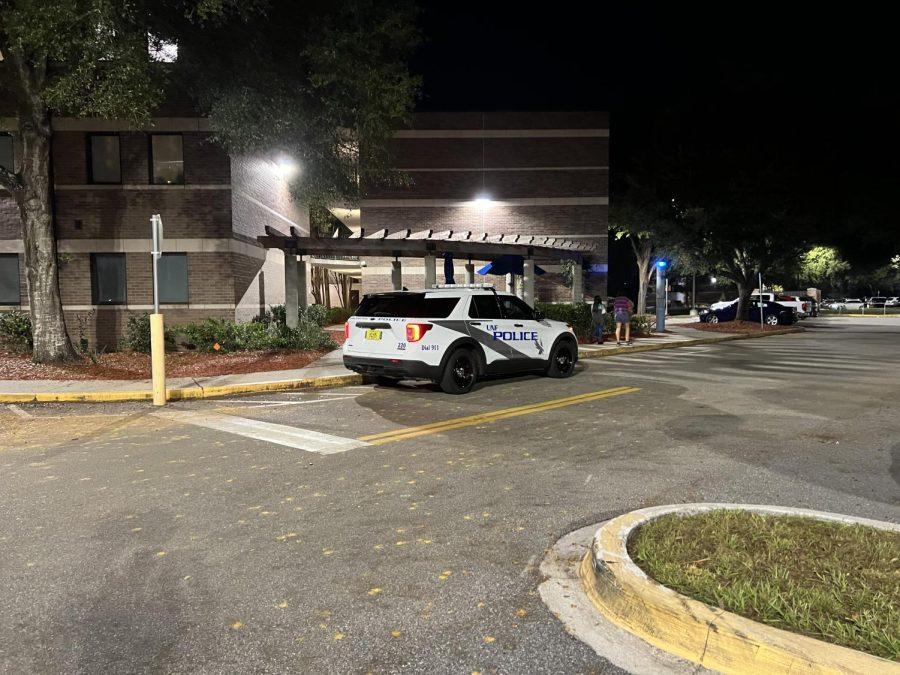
[
  {"x": 51, "y": 341},
  {"x": 744, "y": 289},
  {"x": 643, "y": 283}
]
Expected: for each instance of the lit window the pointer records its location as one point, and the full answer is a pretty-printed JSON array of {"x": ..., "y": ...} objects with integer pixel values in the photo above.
[
  {"x": 167, "y": 159},
  {"x": 173, "y": 278},
  {"x": 6, "y": 152},
  {"x": 105, "y": 161},
  {"x": 9, "y": 279},
  {"x": 108, "y": 278}
]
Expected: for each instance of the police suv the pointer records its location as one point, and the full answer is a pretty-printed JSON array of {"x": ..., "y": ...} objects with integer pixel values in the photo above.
[{"x": 453, "y": 334}]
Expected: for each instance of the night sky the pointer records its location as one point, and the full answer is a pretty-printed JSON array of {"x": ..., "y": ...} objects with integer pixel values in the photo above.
[{"x": 818, "y": 84}]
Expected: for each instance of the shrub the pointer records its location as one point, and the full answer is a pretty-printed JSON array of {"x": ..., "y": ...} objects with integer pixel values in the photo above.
[
  {"x": 579, "y": 316},
  {"x": 256, "y": 335},
  {"x": 314, "y": 314},
  {"x": 15, "y": 331},
  {"x": 338, "y": 315},
  {"x": 137, "y": 334}
]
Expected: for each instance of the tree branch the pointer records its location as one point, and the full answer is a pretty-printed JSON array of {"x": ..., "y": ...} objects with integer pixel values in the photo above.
[{"x": 10, "y": 180}]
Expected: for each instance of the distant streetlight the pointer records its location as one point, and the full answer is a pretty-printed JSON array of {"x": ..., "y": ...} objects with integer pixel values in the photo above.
[{"x": 712, "y": 280}]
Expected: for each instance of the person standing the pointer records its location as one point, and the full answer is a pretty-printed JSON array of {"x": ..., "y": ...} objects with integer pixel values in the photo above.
[
  {"x": 622, "y": 309},
  {"x": 598, "y": 319}
]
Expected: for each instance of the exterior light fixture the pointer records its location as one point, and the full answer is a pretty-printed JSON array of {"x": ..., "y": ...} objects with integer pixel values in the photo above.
[
  {"x": 712, "y": 280},
  {"x": 285, "y": 167},
  {"x": 483, "y": 202},
  {"x": 662, "y": 264}
]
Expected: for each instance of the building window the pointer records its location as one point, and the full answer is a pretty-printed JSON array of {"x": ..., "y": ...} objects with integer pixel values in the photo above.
[
  {"x": 173, "y": 278},
  {"x": 6, "y": 152},
  {"x": 9, "y": 279},
  {"x": 108, "y": 278},
  {"x": 104, "y": 158},
  {"x": 166, "y": 159}
]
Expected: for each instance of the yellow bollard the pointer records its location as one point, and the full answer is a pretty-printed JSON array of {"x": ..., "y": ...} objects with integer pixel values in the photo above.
[{"x": 158, "y": 358}]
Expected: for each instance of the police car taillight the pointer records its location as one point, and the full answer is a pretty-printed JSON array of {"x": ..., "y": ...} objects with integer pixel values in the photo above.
[
  {"x": 416, "y": 331},
  {"x": 347, "y": 330}
]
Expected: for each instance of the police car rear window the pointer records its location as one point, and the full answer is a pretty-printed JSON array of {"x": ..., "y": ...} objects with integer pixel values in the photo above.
[{"x": 407, "y": 305}]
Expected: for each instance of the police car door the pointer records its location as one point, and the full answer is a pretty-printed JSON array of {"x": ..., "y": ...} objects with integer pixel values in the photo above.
[
  {"x": 528, "y": 335},
  {"x": 488, "y": 326}
]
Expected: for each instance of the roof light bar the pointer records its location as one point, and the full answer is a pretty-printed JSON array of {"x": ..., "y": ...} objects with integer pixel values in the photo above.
[{"x": 462, "y": 285}]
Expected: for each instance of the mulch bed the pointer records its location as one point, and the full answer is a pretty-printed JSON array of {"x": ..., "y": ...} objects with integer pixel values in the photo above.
[
  {"x": 735, "y": 327},
  {"x": 136, "y": 366}
]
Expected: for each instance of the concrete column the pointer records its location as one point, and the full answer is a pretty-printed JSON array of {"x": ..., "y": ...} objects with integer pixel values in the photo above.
[
  {"x": 511, "y": 283},
  {"x": 397, "y": 275},
  {"x": 470, "y": 273},
  {"x": 430, "y": 270},
  {"x": 577, "y": 283},
  {"x": 528, "y": 281},
  {"x": 302, "y": 283},
  {"x": 291, "y": 287}
]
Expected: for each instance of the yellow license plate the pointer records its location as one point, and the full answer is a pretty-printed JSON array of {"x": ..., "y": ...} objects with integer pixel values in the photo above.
[{"x": 373, "y": 334}]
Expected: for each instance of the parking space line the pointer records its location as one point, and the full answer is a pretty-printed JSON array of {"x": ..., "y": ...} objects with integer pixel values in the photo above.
[
  {"x": 292, "y": 437},
  {"x": 484, "y": 418}
]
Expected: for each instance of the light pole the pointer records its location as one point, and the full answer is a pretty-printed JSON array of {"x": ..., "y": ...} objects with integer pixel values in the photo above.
[
  {"x": 661, "y": 266},
  {"x": 157, "y": 329}
]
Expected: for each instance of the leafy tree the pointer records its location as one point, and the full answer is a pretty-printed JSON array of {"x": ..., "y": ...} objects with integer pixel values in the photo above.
[
  {"x": 647, "y": 221},
  {"x": 324, "y": 82},
  {"x": 823, "y": 266}
]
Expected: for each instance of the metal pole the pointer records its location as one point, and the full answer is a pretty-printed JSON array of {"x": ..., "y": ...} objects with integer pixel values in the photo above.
[
  {"x": 762, "y": 318},
  {"x": 157, "y": 327}
]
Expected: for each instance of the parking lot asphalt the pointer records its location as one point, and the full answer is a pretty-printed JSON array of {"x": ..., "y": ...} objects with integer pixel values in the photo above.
[{"x": 372, "y": 529}]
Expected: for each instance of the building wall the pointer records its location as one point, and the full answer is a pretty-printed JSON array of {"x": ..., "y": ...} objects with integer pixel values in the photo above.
[
  {"x": 545, "y": 174},
  {"x": 214, "y": 218}
]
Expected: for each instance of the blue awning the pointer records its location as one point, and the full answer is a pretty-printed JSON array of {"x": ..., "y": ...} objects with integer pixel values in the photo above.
[{"x": 508, "y": 264}]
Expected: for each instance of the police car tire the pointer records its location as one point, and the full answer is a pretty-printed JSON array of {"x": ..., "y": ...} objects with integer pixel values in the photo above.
[
  {"x": 450, "y": 382},
  {"x": 553, "y": 367}
]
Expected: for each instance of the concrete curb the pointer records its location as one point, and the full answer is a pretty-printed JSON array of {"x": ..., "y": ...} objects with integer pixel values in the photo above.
[
  {"x": 675, "y": 344},
  {"x": 706, "y": 635},
  {"x": 184, "y": 393}
]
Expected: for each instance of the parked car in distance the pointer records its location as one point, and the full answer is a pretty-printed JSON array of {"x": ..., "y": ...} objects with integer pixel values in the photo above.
[
  {"x": 877, "y": 301},
  {"x": 853, "y": 303},
  {"x": 786, "y": 300},
  {"x": 774, "y": 313},
  {"x": 893, "y": 301}
]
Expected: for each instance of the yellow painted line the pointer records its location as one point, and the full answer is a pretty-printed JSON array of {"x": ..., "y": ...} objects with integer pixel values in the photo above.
[{"x": 484, "y": 418}]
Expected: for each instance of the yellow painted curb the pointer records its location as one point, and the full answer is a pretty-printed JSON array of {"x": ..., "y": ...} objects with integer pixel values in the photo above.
[
  {"x": 586, "y": 353},
  {"x": 186, "y": 392},
  {"x": 710, "y": 636}
]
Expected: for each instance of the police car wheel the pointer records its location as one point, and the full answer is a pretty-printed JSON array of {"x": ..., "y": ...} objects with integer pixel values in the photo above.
[
  {"x": 712, "y": 318},
  {"x": 562, "y": 360},
  {"x": 459, "y": 373}
]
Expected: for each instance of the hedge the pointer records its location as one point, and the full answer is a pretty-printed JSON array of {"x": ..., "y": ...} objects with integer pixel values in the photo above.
[{"x": 579, "y": 316}]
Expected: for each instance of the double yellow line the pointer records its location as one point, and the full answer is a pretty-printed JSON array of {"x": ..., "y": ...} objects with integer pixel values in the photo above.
[{"x": 484, "y": 418}]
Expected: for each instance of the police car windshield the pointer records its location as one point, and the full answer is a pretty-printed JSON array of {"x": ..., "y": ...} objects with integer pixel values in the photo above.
[{"x": 407, "y": 305}]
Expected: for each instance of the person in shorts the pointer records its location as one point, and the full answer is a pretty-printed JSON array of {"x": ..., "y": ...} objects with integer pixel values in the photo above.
[{"x": 622, "y": 309}]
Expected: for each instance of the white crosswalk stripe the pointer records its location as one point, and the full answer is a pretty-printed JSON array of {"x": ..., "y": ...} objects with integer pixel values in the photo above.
[{"x": 292, "y": 437}]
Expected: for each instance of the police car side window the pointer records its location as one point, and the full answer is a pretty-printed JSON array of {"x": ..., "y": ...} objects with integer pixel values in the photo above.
[
  {"x": 515, "y": 308},
  {"x": 484, "y": 307}
]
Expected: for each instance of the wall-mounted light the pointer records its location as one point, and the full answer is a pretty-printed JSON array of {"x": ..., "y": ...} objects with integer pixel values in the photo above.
[
  {"x": 483, "y": 202},
  {"x": 285, "y": 167}
]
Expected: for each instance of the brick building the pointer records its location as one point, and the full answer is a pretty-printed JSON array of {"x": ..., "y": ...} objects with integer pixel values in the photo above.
[
  {"x": 512, "y": 173},
  {"x": 108, "y": 180},
  {"x": 527, "y": 174}
]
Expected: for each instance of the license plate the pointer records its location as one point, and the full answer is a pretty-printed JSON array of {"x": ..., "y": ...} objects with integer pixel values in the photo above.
[{"x": 373, "y": 334}]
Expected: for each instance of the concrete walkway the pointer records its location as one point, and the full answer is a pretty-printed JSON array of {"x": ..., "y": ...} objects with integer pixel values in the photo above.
[
  {"x": 326, "y": 371},
  {"x": 676, "y": 333}
]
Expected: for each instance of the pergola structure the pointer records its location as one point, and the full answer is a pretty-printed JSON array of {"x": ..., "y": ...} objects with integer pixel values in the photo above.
[{"x": 424, "y": 244}]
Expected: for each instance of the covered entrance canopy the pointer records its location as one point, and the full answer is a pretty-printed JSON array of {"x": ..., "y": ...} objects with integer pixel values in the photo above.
[{"x": 424, "y": 244}]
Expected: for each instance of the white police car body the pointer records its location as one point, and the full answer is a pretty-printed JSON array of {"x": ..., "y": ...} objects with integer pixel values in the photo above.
[{"x": 452, "y": 335}]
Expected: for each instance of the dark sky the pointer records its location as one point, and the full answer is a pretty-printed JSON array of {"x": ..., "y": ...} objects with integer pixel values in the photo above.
[{"x": 818, "y": 82}]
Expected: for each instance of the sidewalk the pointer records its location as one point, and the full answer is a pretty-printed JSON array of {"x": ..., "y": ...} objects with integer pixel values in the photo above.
[{"x": 328, "y": 371}]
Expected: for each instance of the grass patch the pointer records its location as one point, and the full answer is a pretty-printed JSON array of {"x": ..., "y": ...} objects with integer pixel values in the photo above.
[{"x": 834, "y": 582}]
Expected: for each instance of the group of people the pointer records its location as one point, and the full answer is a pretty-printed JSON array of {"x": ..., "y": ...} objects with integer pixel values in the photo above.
[{"x": 622, "y": 308}]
